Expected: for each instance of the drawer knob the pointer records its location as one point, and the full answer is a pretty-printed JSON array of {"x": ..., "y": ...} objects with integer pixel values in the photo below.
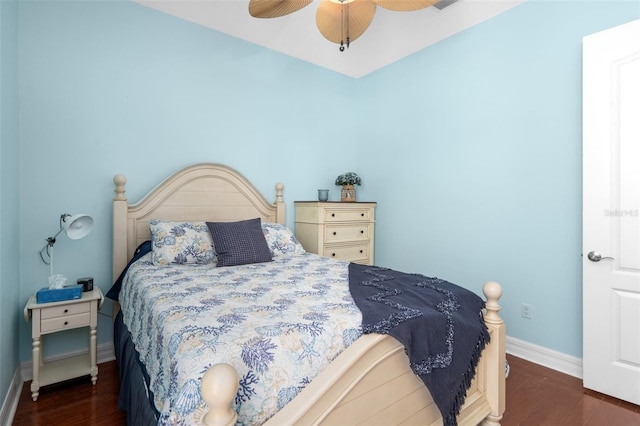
[
  {"x": 334, "y": 232},
  {"x": 333, "y": 254},
  {"x": 66, "y": 311},
  {"x": 333, "y": 215},
  {"x": 360, "y": 251},
  {"x": 362, "y": 214},
  {"x": 361, "y": 231},
  {"x": 66, "y": 323}
]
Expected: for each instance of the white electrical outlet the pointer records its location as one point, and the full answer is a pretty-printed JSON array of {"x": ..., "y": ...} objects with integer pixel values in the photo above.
[{"x": 526, "y": 311}]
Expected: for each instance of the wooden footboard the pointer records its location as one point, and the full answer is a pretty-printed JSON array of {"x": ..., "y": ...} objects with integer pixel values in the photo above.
[{"x": 371, "y": 383}]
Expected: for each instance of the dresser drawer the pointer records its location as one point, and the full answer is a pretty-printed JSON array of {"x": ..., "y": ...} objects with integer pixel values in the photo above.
[
  {"x": 65, "y": 322},
  {"x": 336, "y": 233},
  {"x": 64, "y": 310},
  {"x": 348, "y": 214},
  {"x": 349, "y": 253}
]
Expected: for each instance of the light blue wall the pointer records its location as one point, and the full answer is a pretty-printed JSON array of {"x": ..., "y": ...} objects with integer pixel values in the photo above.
[
  {"x": 474, "y": 149},
  {"x": 115, "y": 87},
  {"x": 9, "y": 193},
  {"x": 471, "y": 147}
]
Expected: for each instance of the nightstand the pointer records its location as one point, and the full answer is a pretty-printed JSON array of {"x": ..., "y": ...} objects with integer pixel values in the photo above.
[
  {"x": 48, "y": 318},
  {"x": 341, "y": 230}
]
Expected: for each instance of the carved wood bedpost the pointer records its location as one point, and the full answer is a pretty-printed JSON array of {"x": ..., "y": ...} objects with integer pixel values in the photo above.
[
  {"x": 495, "y": 351},
  {"x": 280, "y": 206},
  {"x": 219, "y": 387},
  {"x": 120, "y": 207}
]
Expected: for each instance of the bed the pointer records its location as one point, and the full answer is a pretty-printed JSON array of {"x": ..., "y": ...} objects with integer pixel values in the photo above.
[{"x": 369, "y": 381}]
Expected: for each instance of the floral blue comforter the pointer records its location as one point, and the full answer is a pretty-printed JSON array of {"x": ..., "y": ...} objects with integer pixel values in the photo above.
[{"x": 278, "y": 323}]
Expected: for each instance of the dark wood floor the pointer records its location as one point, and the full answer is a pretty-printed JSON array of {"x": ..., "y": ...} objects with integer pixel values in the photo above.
[
  {"x": 535, "y": 396},
  {"x": 540, "y": 396}
]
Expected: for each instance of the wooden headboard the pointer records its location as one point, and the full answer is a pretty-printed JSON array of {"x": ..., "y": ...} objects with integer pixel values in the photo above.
[{"x": 202, "y": 192}]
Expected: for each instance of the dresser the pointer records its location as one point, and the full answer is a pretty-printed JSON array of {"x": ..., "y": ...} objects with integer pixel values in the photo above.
[{"x": 337, "y": 229}]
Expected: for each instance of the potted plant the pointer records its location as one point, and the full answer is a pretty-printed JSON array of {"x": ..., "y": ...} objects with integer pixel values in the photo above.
[{"x": 347, "y": 182}]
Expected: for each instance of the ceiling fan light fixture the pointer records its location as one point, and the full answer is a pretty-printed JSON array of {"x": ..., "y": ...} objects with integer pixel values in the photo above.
[{"x": 344, "y": 23}]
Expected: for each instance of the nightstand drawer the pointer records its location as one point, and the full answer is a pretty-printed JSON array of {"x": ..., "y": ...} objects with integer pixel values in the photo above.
[
  {"x": 336, "y": 233},
  {"x": 64, "y": 310},
  {"x": 350, "y": 252},
  {"x": 348, "y": 214},
  {"x": 65, "y": 322}
]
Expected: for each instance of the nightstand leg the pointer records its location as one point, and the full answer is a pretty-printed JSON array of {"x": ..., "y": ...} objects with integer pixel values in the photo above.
[
  {"x": 36, "y": 359},
  {"x": 94, "y": 357}
]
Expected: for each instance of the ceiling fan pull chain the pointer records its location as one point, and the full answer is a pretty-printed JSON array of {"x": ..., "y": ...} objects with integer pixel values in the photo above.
[
  {"x": 348, "y": 36},
  {"x": 342, "y": 26}
]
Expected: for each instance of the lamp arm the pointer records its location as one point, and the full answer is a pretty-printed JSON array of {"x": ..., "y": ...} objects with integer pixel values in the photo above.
[{"x": 50, "y": 242}]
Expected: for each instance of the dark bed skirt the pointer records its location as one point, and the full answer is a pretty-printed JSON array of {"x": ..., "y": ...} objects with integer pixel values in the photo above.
[{"x": 133, "y": 398}]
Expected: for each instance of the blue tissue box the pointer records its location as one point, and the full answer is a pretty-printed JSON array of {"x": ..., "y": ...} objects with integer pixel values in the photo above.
[{"x": 46, "y": 295}]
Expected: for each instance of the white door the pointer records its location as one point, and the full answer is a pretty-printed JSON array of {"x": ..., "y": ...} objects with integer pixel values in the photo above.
[{"x": 611, "y": 212}]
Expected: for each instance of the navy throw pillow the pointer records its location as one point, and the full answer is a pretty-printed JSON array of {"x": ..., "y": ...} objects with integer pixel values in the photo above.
[{"x": 239, "y": 243}]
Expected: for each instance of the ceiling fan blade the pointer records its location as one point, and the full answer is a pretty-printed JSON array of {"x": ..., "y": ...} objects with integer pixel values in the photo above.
[
  {"x": 404, "y": 5},
  {"x": 336, "y": 23},
  {"x": 275, "y": 8}
]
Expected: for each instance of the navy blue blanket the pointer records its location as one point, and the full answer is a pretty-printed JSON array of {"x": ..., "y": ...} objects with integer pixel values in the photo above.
[
  {"x": 142, "y": 249},
  {"x": 440, "y": 325}
]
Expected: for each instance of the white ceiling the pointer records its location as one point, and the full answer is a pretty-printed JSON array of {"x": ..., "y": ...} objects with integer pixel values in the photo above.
[{"x": 390, "y": 37}]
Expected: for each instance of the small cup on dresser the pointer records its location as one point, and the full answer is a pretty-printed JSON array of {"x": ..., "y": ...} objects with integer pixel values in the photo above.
[{"x": 323, "y": 194}]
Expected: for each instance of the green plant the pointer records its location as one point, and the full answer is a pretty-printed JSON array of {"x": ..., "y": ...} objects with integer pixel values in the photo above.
[{"x": 349, "y": 178}]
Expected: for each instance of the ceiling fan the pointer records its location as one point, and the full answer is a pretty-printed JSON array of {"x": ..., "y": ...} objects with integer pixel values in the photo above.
[{"x": 339, "y": 21}]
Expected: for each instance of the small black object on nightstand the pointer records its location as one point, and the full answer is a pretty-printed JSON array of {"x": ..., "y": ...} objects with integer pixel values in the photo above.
[{"x": 87, "y": 283}]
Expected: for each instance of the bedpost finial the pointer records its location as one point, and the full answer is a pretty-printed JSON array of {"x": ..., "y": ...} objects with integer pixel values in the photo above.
[
  {"x": 279, "y": 190},
  {"x": 492, "y": 291},
  {"x": 219, "y": 387},
  {"x": 120, "y": 181}
]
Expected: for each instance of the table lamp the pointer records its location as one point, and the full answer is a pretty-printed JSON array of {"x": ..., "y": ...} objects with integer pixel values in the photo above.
[{"x": 76, "y": 227}]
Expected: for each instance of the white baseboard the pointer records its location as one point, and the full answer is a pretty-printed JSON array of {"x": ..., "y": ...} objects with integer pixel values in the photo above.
[
  {"x": 10, "y": 403},
  {"x": 555, "y": 360},
  {"x": 104, "y": 353}
]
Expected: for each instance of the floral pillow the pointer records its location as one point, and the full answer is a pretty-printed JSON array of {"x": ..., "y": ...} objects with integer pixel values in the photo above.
[
  {"x": 280, "y": 239},
  {"x": 180, "y": 242}
]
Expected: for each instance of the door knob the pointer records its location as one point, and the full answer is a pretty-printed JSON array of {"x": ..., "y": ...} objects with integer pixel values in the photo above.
[{"x": 594, "y": 256}]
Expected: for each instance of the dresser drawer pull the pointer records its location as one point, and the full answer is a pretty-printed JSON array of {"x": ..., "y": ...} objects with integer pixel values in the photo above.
[
  {"x": 361, "y": 251},
  {"x": 361, "y": 231},
  {"x": 333, "y": 215},
  {"x": 335, "y": 233},
  {"x": 333, "y": 254},
  {"x": 362, "y": 214},
  {"x": 66, "y": 323},
  {"x": 66, "y": 311}
]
